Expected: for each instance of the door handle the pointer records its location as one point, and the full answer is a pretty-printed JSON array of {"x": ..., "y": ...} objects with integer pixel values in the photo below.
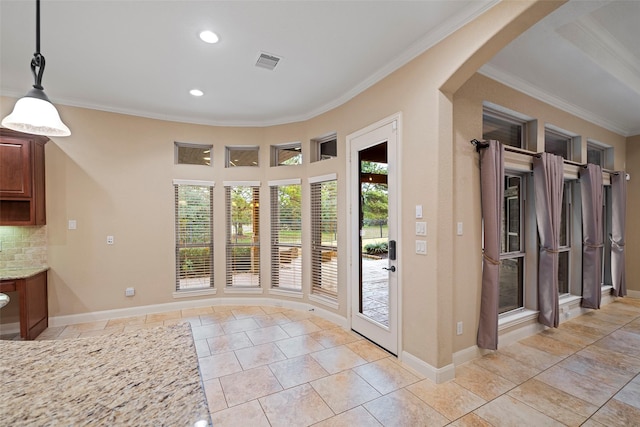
[{"x": 391, "y": 269}]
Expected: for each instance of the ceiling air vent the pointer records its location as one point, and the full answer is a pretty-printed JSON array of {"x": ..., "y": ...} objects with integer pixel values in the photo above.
[{"x": 267, "y": 61}]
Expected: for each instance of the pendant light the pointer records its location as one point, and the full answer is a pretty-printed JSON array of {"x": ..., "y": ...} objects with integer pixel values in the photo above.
[{"x": 34, "y": 113}]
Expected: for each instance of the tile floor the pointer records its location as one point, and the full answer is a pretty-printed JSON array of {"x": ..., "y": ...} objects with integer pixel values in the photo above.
[{"x": 269, "y": 366}]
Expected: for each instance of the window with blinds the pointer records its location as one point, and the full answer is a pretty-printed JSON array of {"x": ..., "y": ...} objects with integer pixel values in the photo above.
[
  {"x": 194, "y": 234},
  {"x": 286, "y": 235},
  {"x": 324, "y": 237},
  {"x": 243, "y": 234}
]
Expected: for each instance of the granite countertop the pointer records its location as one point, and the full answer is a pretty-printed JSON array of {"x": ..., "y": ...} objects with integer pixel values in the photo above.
[
  {"x": 21, "y": 273},
  {"x": 147, "y": 377}
]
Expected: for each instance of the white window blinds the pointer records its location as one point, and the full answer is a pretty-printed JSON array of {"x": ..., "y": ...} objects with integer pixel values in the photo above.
[
  {"x": 243, "y": 234},
  {"x": 286, "y": 235},
  {"x": 194, "y": 234},
  {"x": 324, "y": 238}
]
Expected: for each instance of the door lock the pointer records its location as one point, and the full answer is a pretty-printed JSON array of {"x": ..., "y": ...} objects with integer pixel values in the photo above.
[{"x": 391, "y": 269}]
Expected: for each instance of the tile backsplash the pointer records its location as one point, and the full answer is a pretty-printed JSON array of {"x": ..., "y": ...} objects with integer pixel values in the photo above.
[{"x": 23, "y": 246}]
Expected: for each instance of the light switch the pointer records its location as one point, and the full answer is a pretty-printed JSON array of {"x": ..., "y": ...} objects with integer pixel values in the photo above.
[
  {"x": 421, "y": 228},
  {"x": 421, "y": 247},
  {"x": 418, "y": 211},
  {"x": 73, "y": 224},
  {"x": 459, "y": 229}
]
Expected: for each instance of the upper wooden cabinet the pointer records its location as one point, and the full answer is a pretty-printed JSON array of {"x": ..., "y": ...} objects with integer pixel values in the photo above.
[{"x": 22, "y": 187}]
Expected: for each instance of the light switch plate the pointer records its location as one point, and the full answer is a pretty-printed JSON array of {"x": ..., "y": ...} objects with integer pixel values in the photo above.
[
  {"x": 421, "y": 228},
  {"x": 459, "y": 229},
  {"x": 421, "y": 247},
  {"x": 418, "y": 211},
  {"x": 73, "y": 224}
]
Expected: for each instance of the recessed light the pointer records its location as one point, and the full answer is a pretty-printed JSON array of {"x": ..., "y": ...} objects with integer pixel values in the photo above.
[
  {"x": 196, "y": 92},
  {"x": 209, "y": 37}
]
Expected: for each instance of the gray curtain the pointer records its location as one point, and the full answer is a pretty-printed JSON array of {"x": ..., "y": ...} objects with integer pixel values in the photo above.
[
  {"x": 548, "y": 178},
  {"x": 591, "y": 189},
  {"x": 618, "y": 224},
  {"x": 492, "y": 196}
]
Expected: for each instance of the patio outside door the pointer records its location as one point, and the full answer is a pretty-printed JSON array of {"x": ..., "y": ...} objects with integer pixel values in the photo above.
[{"x": 373, "y": 233}]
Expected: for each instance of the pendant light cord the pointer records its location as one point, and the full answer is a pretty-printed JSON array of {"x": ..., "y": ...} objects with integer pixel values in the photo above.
[{"x": 38, "y": 60}]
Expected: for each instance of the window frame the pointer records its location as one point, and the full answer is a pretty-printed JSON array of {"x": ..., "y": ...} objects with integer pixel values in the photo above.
[
  {"x": 318, "y": 143},
  {"x": 508, "y": 119},
  {"x": 253, "y": 246},
  {"x": 276, "y": 149},
  {"x": 178, "y": 184},
  {"x": 566, "y": 248},
  {"x": 290, "y": 252},
  {"x": 177, "y": 145},
  {"x": 322, "y": 254},
  {"x": 229, "y": 149},
  {"x": 568, "y": 139},
  {"x": 521, "y": 253}
]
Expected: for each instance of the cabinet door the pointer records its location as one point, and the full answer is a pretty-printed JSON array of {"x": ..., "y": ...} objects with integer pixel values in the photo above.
[{"x": 15, "y": 168}]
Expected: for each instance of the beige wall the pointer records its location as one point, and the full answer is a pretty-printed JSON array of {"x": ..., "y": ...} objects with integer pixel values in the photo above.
[
  {"x": 114, "y": 174},
  {"x": 632, "y": 247},
  {"x": 468, "y": 125}
]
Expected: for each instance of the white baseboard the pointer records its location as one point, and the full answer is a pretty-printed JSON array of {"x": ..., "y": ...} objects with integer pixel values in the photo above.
[
  {"x": 437, "y": 375},
  {"x": 180, "y": 305},
  {"x": 633, "y": 294},
  {"x": 468, "y": 354}
]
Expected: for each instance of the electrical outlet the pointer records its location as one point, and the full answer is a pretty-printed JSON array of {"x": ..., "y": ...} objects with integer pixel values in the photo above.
[
  {"x": 109, "y": 240},
  {"x": 459, "y": 328},
  {"x": 129, "y": 292}
]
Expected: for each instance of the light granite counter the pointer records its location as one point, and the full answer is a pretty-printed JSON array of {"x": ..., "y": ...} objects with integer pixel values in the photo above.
[
  {"x": 21, "y": 273},
  {"x": 148, "y": 377}
]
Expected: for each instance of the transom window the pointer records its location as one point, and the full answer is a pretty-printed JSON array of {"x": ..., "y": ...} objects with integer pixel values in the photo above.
[
  {"x": 324, "y": 148},
  {"x": 192, "y": 154},
  {"x": 501, "y": 127},
  {"x": 557, "y": 143},
  {"x": 242, "y": 156},
  {"x": 286, "y": 154},
  {"x": 595, "y": 154}
]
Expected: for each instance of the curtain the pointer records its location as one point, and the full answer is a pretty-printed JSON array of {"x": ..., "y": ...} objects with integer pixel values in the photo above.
[
  {"x": 618, "y": 224},
  {"x": 548, "y": 178},
  {"x": 591, "y": 189},
  {"x": 492, "y": 196}
]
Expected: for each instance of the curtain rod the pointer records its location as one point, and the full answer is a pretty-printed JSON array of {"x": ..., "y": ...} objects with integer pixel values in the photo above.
[{"x": 480, "y": 145}]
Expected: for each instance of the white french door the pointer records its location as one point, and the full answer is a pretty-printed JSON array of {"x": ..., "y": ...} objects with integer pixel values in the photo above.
[{"x": 373, "y": 194}]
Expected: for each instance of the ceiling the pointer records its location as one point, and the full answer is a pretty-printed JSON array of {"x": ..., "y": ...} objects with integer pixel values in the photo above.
[{"x": 143, "y": 57}]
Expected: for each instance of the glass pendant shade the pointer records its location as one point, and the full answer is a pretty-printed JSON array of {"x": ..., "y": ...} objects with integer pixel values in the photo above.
[{"x": 35, "y": 114}]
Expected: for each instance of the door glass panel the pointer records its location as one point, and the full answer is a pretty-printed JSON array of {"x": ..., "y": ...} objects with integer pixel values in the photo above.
[{"x": 374, "y": 234}]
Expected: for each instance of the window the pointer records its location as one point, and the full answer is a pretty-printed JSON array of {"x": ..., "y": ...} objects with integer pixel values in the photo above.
[
  {"x": 242, "y": 156},
  {"x": 192, "y": 154},
  {"x": 557, "y": 143},
  {"x": 286, "y": 235},
  {"x": 607, "y": 220},
  {"x": 595, "y": 155},
  {"x": 512, "y": 253},
  {"x": 243, "y": 234},
  {"x": 286, "y": 154},
  {"x": 501, "y": 127},
  {"x": 194, "y": 234},
  {"x": 565, "y": 241},
  {"x": 324, "y": 236},
  {"x": 325, "y": 147}
]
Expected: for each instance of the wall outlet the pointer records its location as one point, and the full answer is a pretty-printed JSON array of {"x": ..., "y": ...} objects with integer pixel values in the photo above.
[
  {"x": 109, "y": 240},
  {"x": 459, "y": 328},
  {"x": 129, "y": 292}
]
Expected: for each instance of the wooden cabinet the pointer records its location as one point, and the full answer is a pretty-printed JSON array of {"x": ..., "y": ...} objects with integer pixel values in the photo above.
[
  {"x": 34, "y": 310},
  {"x": 22, "y": 187}
]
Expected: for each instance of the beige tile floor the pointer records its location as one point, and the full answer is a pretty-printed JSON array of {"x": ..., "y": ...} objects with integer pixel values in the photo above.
[{"x": 269, "y": 366}]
